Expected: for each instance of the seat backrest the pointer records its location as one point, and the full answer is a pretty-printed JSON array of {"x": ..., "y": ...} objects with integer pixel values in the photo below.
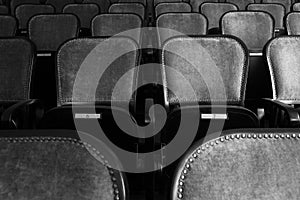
[
  {"x": 276, "y": 10},
  {"x": 26, "y": 11},
  {"x": 73, "y": 53},
  {"x": 296, "y": 7},
  {"x": 216, "y": 68},
  {"x": 166, "y": 1},
  {"x": 102, "y": 4},
  {"x": 59, "y": 4},
  {"x": 144, "y": 2},
  {"x": 286, "y": 3},
  {"x": 241, "y": 4},
  {"x": 3, "y": 10},
  {"x": 196, "y": 4},
  {"x": 107, "y": 25},
  {"x": 15, "y": 3},
  {"x": 284, "y": 65},
  {"x": 214, "y": 12},
  {"x": 135, "y": 8},
  {"x": 254, "y": 28},
  {"x": 163, "y": 8},
  {"x": 16, "y": 67},
  {"x": 8, "y": 26},
  {"x": 85, "y": 12},
  {"x": 56, "y": 165},
  {"x": 292, "y": 23},
  {"x": 180, "y": 24},
  {"x": 49, "y": 31},
  {"x": 245, "y": 164}
]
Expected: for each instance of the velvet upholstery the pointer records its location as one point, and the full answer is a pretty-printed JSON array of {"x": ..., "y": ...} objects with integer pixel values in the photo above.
[
  {"x": 102, "y": 4},
  {"x": 8, "y": 26},
  {"x": 197, "y": 59},
  {"x": 59, "y": 4},
  {"x": 3, "y": 10},
  {"x": 166, "y": 1},
  {"x": 55, "y": 168},
  {"x": 15, "y": 3},
  {"x": 283, "y": 60},
  {"x": 69, "y": 60},
  {"x": 214, "y": 12},
  {"x": 246, "y": 164},
  {"x": 196, "y": 4},
  {"x": 49, "y": 31},
  {"x": 184, "y": 23},
  {"x": 241, "y": 4},
  {"x": 85, "y": 12},
  {"x": 163, "y": 8},
  {"x": 296, "y": 7},
  {"x": 26, "y": 11},
  {"x": 292, "y": 23},
  {"x": 102, "y": 25},
  {"x": 16, "y": 66},
  {"x": 276, "y": 10},
  {"x": 254, "y": 28},
  {"x": 144, "y": 2},
  {"x": 286, "y": 3},
  {"x": 135, "y": 8}
]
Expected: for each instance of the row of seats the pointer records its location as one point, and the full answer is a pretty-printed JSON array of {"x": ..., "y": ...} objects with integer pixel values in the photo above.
[{"x": 59, "y": 165}]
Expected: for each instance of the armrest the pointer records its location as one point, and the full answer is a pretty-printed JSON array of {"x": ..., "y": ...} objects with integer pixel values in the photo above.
[
  {"x": 24, "y": 114},
  {"x": 276, "y": 112}
]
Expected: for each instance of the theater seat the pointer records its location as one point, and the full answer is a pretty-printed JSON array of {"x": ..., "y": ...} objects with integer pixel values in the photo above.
[
  {"x": 286, "y": 3},
  {"x": 36, "y": 164},
  {"x": 144, "y": 2},
  {"x": 17, "y": 109},
  {"x": 3, "y": 10},
  {"x": 15, "y": 3},
  {"x": 134, "y": 8},
  {"x": 296, "y": 7},
  {"x": 8, "y": 26},
  {"x": 241, "y": 4},
  {"x": 59, "y": 4},
  {"x": 163, "y": 8},
  {"x": 292, "y": 23},
  {"x": 241, "y": 164},
  {"x": 156, "y": 2},
  {"x": 102, "y": 4},
  {"x": 196, "y": 4}
]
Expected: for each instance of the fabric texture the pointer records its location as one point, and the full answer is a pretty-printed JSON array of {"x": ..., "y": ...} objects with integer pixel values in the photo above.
[
  {"x": 101, "y": 58},
  {"x": 26, "y": 11},
  {"x": 52, "y": 169},
  {"x": 276, "y": 10},
  {"x": 8, "y": 26},
  {"x": 172, "y": 8},
  {"x": 3, "y": 10},
  {"x": 15, "y": 3},
  {"x": 85, "y": 13},
  {"x": 175, "y": 24},
  {"x": 241, "y": 4},
  {"x": 286, "y": 3},
  {"x": 16, "y": 63},
  {"x": 166, "y": 1},
  {"x": 144, "y": 2},
  {"x": 283, "y": 60},
  {"x": 242, "y": 166},
  {"x": 196, "y": 4},
  {"x": 49, "y": 31},
  {"x": 214, "y": 12},
  {"x": 206, "y": 64},
  {"x": 254, "y": 28},
  {"x": 102, "y": 4},
  {"x": 292, "y": 23},
  {"x": 59, "y": 4},
  {"x": 102, "y": 25},
  {"x": 296, "y": 7},
  {"x": 135, "y": 8}
]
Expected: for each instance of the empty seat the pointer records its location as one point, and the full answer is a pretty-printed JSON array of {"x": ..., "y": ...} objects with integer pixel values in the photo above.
[
  {"x": 15, "y": 3},
  {"x": 166, "y": 1},
  {"x": 286, "y": 3},
  {"x": 210, "y": 75},
  {"x": 144, "y": 2},
  {"x": 196, "y": 4},
  {"x": 59, "y": 4},
  {"x": 241, "y": 4},
  {"x": 192, "y": 24},
  {"x": 172, "y": 8},
  {"x": 296, "y": 7},
  {"x": 57, "y": 165},
  {"x": 85, "y": 13},
  {"x": 292, "y": 23},
  {"x": 26, "y": 11},
  {"x": 102, "y": 25},
  {"x": 214, "y": 12},
  {"x": 276, "y": 10},
  {"x": 265, "y": 164},
  {"x": 8, "y": 26},
  {"x": 102, "y": 4},
  {"x": 3, "y": 10},
  {"x": 135, "y": 8}
]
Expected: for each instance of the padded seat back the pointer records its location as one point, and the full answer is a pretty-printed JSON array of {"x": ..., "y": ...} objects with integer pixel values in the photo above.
[
  {"x": 286, "y": 3},
  {"x": 163, "y": 8},
  {"x": 49, "y": 31},
  {"x": 59, "y": 4},
  {"x": 196, "y": 4},
  {"x": 249, "y": 164},
  {"x": 292, "y": 23},
  {"x": 144, "y": 2},
  {"x": 135, "y": 8},
  {"x": 8, "y": 26},
  {"x": 241, "y": 4},
  {"x": 15, "y": 3},
  {"x": 102, "y": 4},
  {"x": 166, "y": 1},
  {"x": 284, "y": 65},
  {"x": 3, "y": 10},
  {"x": 296, "y": 7},
  {"x": 16, "y": 67}
]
